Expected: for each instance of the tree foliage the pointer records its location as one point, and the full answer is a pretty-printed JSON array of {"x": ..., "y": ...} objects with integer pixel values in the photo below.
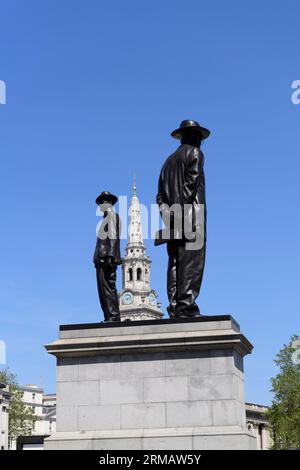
[
  {"x": 284, "y": 414},
  {"x": 21, "y": 417}
]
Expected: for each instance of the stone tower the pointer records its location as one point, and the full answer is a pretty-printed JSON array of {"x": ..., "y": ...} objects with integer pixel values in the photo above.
[{"x": 137, "y": 300}]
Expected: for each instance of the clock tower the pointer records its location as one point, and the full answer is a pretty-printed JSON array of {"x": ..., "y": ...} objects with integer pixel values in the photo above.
[{"x": 137, "y": 300}]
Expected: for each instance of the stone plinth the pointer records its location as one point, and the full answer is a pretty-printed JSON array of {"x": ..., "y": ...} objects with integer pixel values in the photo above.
[{"x": 157, "y": 384}]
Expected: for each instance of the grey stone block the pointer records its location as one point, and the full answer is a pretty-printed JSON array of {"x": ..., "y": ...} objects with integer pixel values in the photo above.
[
  {"x": 238, "y": 362},
  {"x": 78, "y": 393},
  {"x": 149, "y": 329},
  {"x": 227, "y": 413},
  {"x": 67, "y": 418},
  {"x": 188, "y": 363},
  {"x": 241, "y": 414},
  {"x": 162, "y": 443},
  {"x": 224, "y": 442},
  {"x": 117, "y": 444},
  {"x": 166, "y": 389},
  {"x": 187, "y": 327},
  {"x": 76, "y": 444},
  {"x": 142, "y": 365},
  {"x": 188, "y": 414},
  {"x": 212, "y": 387},
  {"x": 239, "y": 389},
  {"x": 222, "y": 361},
  {"x": 143, "y": 415},
  {"x": 93, "y": 418},
  {"x": 67, "y": 370},
  {"x": 99, "y": 367},
  {"x": 232, "y": 441},
  {"x": 121, "y": 391}
]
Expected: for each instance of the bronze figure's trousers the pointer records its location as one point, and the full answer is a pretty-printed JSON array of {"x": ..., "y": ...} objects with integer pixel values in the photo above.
[
  {"x": 185, "y": 272},
  {"x": 108, "y": 296}
]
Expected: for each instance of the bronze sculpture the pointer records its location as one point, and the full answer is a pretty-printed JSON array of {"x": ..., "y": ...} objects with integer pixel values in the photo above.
[
  {"x": 107, "y": 256},
  {"x": 182, "y": 184}
]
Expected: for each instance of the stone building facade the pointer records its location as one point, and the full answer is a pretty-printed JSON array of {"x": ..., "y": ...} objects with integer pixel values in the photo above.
[
  {"x": 44, "y": 409},
  {"x": 258, "y": 425},
  {"x": 43, "y": 406},
  {"x": 5, "y": 397}
]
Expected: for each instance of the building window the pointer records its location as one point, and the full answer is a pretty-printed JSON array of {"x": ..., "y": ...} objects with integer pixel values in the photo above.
[
  {"x": 138, "y": 274},
  {"x": 33, "y": 396},
  {"x": 130, "y": 274}
]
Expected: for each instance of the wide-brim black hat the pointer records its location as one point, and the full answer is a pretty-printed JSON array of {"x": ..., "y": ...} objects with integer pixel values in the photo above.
[
  {"x": 188, "y": 124},
  {"x": 106, "y": 196}
]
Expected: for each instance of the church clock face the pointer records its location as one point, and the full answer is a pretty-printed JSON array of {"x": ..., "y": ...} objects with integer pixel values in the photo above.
[
  {"x": 152, "y": 299},
  {"x": 127, "y": 298}
]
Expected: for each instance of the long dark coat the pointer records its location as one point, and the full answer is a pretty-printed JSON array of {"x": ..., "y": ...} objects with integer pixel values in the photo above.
[
  {"x": 182, "y": 182},
  {"x": 108, "y": 239}
]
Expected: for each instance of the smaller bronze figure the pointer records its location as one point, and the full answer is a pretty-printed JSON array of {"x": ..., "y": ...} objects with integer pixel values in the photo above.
[{"x": 107, "y": 256}]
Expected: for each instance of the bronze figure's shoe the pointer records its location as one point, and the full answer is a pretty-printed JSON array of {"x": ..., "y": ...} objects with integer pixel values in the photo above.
[{"x": 114, "y": 318}]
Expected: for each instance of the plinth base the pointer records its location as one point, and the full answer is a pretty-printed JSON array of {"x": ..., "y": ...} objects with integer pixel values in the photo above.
[{"x": 159, "y": 384}]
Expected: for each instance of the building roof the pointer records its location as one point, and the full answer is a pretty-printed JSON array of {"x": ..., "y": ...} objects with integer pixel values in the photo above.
[
  {"x": 31, "y": 388},
  {"x": 256, "y": 405}
]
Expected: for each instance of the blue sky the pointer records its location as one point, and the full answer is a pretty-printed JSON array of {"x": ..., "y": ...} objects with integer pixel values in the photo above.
[{"x": 93, "y": 90}]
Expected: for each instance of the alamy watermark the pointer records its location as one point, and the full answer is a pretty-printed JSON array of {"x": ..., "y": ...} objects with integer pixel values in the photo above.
[
  {"x": 2, "y": 352},
  {"x": 2, "y": 92},
  {"x": 161, "y": 223},
  {"x": 295, "y": 97}
]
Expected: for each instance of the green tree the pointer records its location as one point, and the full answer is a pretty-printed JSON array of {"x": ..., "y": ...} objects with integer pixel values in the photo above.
[
  {"x": 21, "y": 417},
  {"x": 284, "y": 414}
]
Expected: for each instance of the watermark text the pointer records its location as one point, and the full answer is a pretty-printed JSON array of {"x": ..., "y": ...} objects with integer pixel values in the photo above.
[
  {"x": 2, "y": 352},
  {"x": 296, "y": 94},
  {"x": 2, "y": 92}
]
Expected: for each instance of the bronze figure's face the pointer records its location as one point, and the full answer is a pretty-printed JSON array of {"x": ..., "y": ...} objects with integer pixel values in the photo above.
[
  {"x": 105, "y": 205},
  {"x": 191, "y": 137}
]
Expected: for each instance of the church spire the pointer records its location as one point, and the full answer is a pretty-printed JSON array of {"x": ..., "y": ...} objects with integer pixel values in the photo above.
[
  {"x": 137, "y": 300},
  {"x": 135, "y": 226},
  {"x": 134, "y": 185}
]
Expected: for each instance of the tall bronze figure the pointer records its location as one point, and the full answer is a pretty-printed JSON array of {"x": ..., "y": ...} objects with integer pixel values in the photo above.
[
  {"x": 182, "y": 184},
  {"x": 107, "y": 256}
]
